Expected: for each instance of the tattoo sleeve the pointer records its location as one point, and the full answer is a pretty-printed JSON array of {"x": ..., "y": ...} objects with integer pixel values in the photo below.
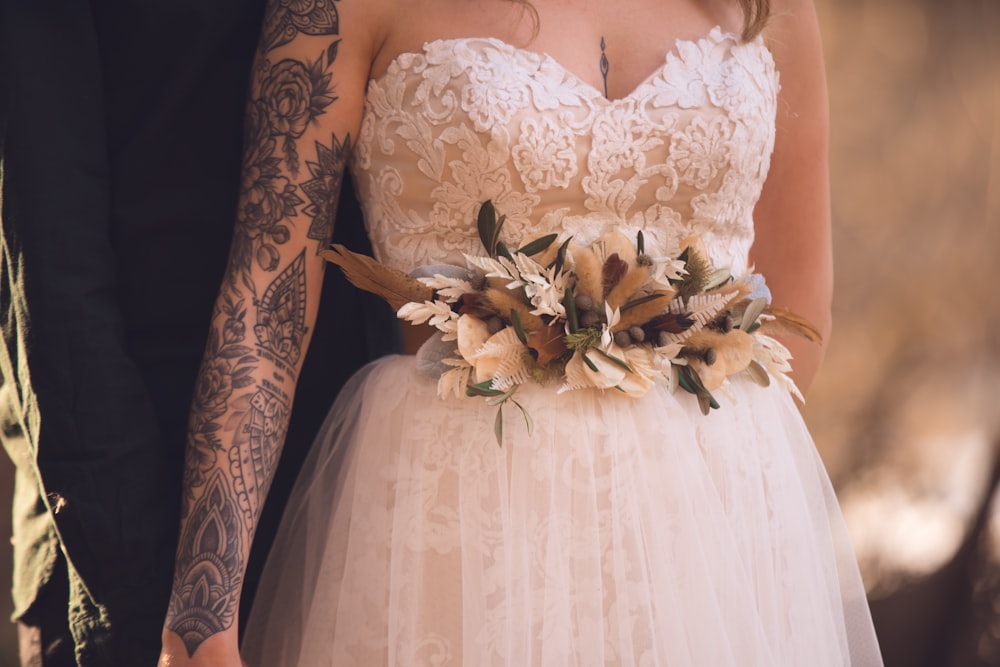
[{"x": 292, "y": 171}]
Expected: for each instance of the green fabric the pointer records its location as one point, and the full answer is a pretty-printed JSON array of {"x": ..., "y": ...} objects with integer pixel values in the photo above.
[{"x": 35, "y": 541}]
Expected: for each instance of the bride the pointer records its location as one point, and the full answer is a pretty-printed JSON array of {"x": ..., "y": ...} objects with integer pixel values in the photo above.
[{"x": 615, "y": 523}]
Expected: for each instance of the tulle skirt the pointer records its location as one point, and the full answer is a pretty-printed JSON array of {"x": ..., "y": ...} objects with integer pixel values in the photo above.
[{"x": 621, "y": 531}]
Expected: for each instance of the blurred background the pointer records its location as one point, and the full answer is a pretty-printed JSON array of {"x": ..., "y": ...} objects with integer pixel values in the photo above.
[{"x": 906, "y": 411}]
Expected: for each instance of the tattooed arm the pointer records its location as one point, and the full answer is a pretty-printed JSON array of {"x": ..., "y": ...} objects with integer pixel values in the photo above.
[{"x": 305, "y": 105}]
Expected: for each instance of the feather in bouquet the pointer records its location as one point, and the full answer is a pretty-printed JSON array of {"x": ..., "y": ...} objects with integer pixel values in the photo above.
[{"x": 609, "y": 315}]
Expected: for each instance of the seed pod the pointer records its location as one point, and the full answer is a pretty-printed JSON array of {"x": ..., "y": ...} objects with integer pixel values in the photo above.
[
  {"x": 584, "y": 302},
  {"x": 663, "y": 339},
  {"x": 623, "y": 339},
  {"x": 637, "y": 334},
  {"x": 589, "y": 319}
]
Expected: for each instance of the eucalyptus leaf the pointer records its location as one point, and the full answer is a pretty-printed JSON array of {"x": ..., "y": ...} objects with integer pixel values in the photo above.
[
  {"x": 486, "y": 224},
  {"x": 503, "y": 397},
  {"x": 684, "y": 380},
  {"x": 528, "y": 422},
  {"x": 753, "y": 311},
  {"x": 538, "y": 245},
  {"x": 498, "y": 426},
  {"x": 758, "y": 374},
  {"x": 501, "y": 250},
  {"x": 482, "y": 389},
  {"x": 560, "y": 259},
  {"x": 590, "y": 364},
  {"x": 569, "y": 303},
  {"x": 496, "y": 231},
  {"x": 615, "y": 360},
  {"x": 717, "y": 279}
]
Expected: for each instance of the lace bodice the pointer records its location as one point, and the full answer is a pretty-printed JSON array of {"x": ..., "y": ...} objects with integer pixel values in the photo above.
[{"x": 472, "y": 119}]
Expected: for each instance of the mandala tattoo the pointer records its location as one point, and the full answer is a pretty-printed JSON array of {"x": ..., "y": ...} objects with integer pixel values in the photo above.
[
  {"x": 281, "y": 314},
  {"x": 287, "y": 18},
  {"x": 327, "y": 176},
  {"x": 208, "y": 579},
  {"x": 256, "y": 455},
  {"x": 238, "y": 418}
]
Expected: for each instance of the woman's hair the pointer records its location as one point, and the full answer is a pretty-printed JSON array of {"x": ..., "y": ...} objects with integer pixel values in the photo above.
[{"x": 755, "y": 13}]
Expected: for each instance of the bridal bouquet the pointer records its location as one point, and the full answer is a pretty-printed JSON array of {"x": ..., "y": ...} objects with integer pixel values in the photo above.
[{"x": 609, "y": 315}]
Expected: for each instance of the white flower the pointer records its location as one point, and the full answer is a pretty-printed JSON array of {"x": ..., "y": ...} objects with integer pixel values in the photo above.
[
  {"x": 775, "y": 357},
  {"x": 498, "y": 267},
  {"x": 497, "y": 358},
  {"x": 628, "y": 370},
  {"x": 453, "y": 382},
  {"x": 613, "y": 317},
  {"x": 436, "y": 313},
  {"x": 545, "y": 288},
  {"x": 449, "y": 288}
]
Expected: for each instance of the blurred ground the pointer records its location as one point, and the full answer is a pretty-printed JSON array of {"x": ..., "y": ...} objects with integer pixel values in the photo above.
[{"x": 905, "y": 412}]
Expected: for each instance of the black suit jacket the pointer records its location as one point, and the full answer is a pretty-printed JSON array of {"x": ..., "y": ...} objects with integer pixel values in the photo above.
[{"x": 121, "y": 156}]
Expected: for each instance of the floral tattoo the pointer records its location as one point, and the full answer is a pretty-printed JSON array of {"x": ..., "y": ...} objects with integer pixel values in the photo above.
[{"x": 239, "y": 418}]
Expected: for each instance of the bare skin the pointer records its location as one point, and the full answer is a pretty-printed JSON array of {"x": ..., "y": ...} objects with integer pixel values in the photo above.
[{"x": 267, "y": 303}]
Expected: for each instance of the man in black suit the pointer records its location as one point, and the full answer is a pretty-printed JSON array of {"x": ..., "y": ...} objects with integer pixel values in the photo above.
[{"x": 121, "y": 135}]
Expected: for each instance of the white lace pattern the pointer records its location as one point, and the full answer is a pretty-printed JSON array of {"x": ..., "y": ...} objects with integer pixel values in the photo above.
[{"x": 474, "y": 119}]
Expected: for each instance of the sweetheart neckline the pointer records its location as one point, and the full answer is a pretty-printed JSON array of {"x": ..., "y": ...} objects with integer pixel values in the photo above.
[{"x": 717, "y": 35}]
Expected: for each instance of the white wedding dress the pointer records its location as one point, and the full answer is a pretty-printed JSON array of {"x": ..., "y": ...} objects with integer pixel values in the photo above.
[{"x": 621, "y": 531}]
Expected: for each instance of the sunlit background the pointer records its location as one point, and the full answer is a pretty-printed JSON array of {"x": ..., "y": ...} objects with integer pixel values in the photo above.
[{"x": 906, "y": 412}]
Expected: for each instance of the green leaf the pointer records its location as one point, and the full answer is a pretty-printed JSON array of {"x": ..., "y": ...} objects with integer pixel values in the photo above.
[
  {"x": 590, "y": 364},
  {"x": 717, "y": 278},
  {"x": 515, "y": 317},
  {"x": 685, "y": 381},
  {"x": 498, "y": 426},
  {"x": 501, "y": 250},
  {"x": 640, "y": 243},
  {"x": 482, "y": 389},
  {"x": 486, "y": 224},
  {"x": 503, "y": 397},
  {"x": 691, "y": 382},
  {"x": 560, "y": 259},
  {"x": 538, "y": 245},
  {"x": 569, "y": 303},
  {"x": 753, "y": 311},
  {"x": 615, "y": 360},
  {"x": 528, "y": 423},
  {"x": 643, "y": 299},
  {"x": 758, "y": 374},
  {"x": 496, "y": 231}
]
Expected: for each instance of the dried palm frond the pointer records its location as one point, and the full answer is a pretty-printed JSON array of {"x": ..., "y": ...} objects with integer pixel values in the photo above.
[
  {"x": 503, "y": 302},
  {"x": 366, "y": 273},
  {"x": 787, "y": 322},
  {"x": 645, "y": 311}
]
